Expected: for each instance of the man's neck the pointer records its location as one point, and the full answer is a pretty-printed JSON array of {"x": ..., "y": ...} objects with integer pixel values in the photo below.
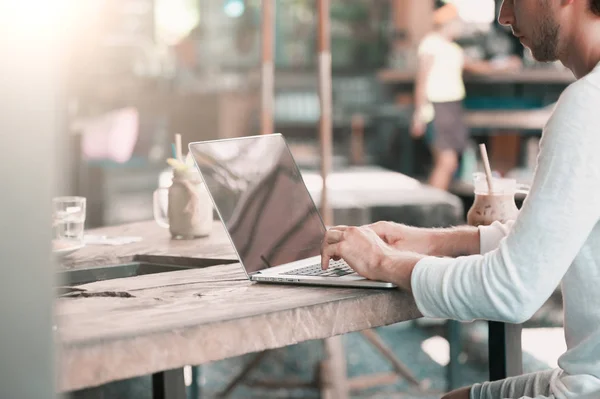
[{"x": 584, "y": 49}]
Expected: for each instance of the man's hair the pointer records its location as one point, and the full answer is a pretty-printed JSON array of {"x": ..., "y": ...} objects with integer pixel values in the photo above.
[{"x": 595, "y": 5}]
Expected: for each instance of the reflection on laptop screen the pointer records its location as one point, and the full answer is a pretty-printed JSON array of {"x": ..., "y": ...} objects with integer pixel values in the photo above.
[{"x": 262, "y": 199}]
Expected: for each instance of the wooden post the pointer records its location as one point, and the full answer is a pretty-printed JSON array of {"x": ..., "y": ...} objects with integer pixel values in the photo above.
[
  {"x": 268, "y": 68},
  {"x": 325, "y": 127},
  {"x": 400, "y": 25},
  {"x": 334, "y": 383},
  {"x": 357, "y": 140},
  {"x": 411, "y": 20}
]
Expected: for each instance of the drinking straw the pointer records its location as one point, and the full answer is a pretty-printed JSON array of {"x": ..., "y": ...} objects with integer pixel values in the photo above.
[
  {"x": 486, "y": 165},
  {"x": 179, "y": 155}
]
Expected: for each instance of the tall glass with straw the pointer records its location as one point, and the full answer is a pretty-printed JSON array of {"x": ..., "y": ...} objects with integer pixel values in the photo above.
[{"x": 494, "y": 197}]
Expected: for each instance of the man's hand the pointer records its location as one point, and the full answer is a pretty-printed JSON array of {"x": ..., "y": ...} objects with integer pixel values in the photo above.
[
  {"x": 368, "y": 255},
  {"x": 405, "y": 238}
]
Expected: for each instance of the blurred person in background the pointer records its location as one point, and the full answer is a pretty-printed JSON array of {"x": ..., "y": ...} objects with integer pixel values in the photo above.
[{"x": 440, "y": 91}]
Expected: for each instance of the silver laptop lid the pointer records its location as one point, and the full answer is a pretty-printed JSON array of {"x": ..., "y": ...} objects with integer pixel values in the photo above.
[{"x": 261, "y": 198}]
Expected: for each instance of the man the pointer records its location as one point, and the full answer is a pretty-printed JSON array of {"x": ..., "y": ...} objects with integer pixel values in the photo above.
[{"x": 555, "y": 237}]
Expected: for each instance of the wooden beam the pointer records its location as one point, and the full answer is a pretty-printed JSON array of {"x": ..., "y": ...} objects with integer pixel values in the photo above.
[
  {"x": 325, "y": 124},
  {"x": 399, "y": 367},
  {"x": 334, "y": 384},
  {"x": 362, "y": 382},
  {"x": 243, "y": 374},
  {"x": 268, "y": 66},
  {"x": 334, "y": 381},
  {"x": 357, "y": 139},
  {"x": 411, "y": 21}
]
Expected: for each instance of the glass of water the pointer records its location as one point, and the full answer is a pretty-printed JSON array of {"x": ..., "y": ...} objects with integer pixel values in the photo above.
[{"x": 68, "y": 219}]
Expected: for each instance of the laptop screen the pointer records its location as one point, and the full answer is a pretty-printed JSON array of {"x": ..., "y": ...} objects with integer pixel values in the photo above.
[{"x": 261, "y": 198}]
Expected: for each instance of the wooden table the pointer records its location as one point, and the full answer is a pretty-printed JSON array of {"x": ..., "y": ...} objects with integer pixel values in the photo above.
[
  {"x": 526, "y": 75},
  {"x": 385, "y": 195},
  {"x": 155, "y": 323},
  {"x": 502, "y": 120}
]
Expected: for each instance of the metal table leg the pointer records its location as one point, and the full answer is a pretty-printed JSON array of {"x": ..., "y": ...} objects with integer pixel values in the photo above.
[
  {"x": 453, "y": 332},
  {"x": 195, "y": 390},
  {"x": 505, "y": 351},
  {"x": 168, "y": 385}
]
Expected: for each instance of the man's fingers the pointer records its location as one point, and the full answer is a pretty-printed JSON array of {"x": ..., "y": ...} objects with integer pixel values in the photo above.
[
  {"x": 376, "y": 227},
  {"x": 324, "y": 261},
  {"x": 382, "y": 229},
  {"x": 334, "y": 236},
  {"x": 372, "y": 233},
  {"x": 328, "y": 251}
]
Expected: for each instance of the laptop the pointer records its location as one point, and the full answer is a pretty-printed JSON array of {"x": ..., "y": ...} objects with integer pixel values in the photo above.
[{"x": 269, "y": 215}]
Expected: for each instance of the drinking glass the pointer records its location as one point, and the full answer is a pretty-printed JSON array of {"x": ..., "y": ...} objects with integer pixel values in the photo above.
[
  {"x": 68, "y": 219},
  {"x": 498, "y": 205}
]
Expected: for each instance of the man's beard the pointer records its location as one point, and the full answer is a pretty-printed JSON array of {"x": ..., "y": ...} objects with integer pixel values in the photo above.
[{"x": 544, "y": 45}]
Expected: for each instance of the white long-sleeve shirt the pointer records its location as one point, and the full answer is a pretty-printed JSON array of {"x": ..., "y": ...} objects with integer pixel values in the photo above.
[{"x": 555, "y": 238}]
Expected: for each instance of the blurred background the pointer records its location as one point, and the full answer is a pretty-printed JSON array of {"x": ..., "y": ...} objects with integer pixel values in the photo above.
[
  {"x": 140, "y": 71},
  {"x": 137, "y": 72}
]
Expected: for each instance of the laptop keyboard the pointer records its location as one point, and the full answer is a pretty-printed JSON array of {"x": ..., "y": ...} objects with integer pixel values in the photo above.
[{"x": 337, "y": 268}]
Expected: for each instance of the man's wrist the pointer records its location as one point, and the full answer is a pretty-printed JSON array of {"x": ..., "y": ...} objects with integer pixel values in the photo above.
[
  {"x": 467, "y": 238},
  {"x": 453, "y": 242},
  {"x": 398, "y": 268}
]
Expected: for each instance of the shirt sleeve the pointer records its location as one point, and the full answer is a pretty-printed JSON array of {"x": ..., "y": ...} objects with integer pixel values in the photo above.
[
  {"x": 511, "y": 282},
  {"x": 490, "y": 236}
]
